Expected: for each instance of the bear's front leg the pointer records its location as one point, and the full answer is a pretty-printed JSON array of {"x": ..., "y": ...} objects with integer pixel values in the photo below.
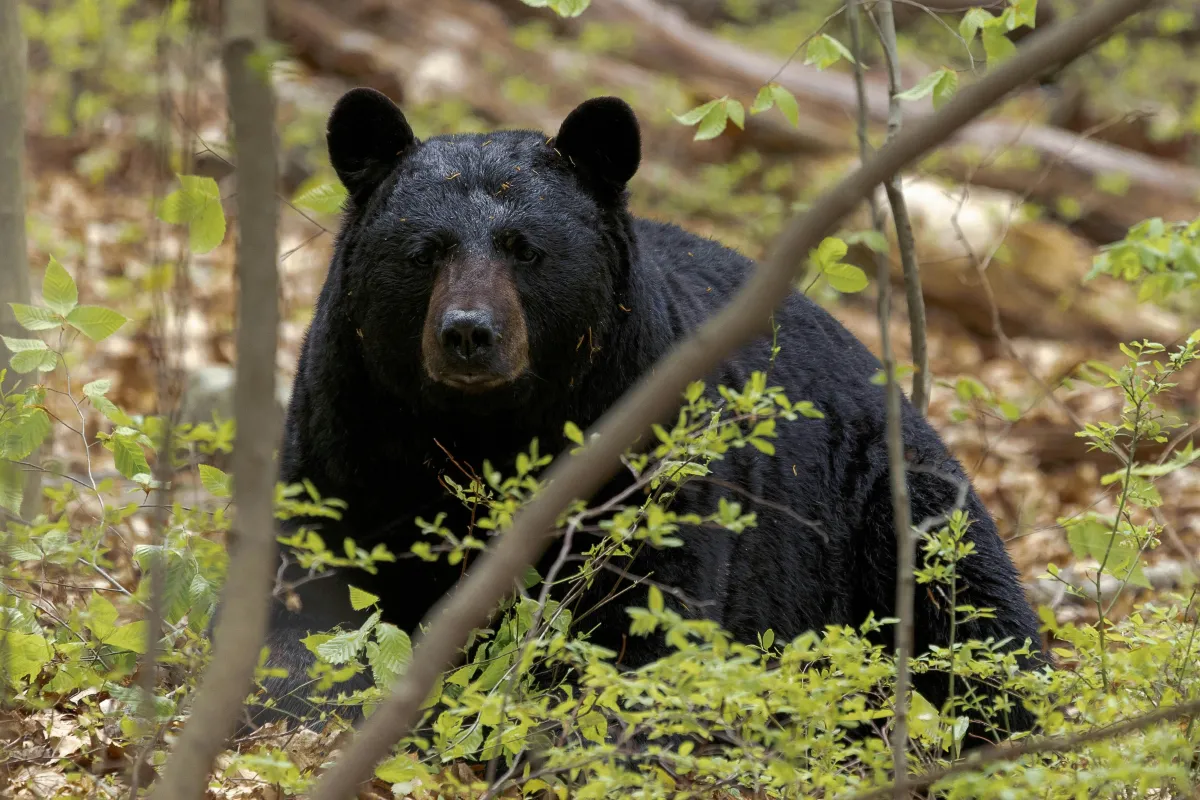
[{"x": 302, "y": 605}]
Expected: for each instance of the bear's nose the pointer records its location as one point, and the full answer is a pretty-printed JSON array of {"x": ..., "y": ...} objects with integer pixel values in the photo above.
[{"x": 468, "y": 335}]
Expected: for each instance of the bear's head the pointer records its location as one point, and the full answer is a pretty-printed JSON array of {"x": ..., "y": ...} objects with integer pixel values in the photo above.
[{"x": 482, "y": 268}]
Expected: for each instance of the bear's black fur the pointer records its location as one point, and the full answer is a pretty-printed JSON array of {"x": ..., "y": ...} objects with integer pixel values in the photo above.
[{"x": 582, "y": 299}]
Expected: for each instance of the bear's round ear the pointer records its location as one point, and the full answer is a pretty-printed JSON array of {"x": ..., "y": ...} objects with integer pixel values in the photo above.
[
  {"x": 367, "y": 136},
  {"x": 601, "y": 138}
]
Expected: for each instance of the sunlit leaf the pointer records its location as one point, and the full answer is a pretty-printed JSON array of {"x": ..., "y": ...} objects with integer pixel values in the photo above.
[
  {"x": 321, "y": 198},
  {"x": 998, "y": 47},
  {"x": 34, "y": 360},
  {"x": 58, "y": 288},
  {"x": 96, "y": 322},
  {"x": 696, "y": 114},
  {"x": 825, "y": 51},
  {"x": 129, "y": 637},
  {"x": 36, "y": 318},
  {"x": 846, "y": 278},
  {"x": 215, "y": 482},
  {"x": 128, "y": 456},
  {"x": 713, "y": 123},
  {"x": 360, "y": 599}
]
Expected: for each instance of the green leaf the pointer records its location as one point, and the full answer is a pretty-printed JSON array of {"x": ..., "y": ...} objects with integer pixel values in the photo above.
[
  {"x": 25, "y": 654},
  {"x": 872, "y": 239},
  {"x": 830, "y": 251},
  {"x": 97, "y": 388},
  {"x": 177, "y": 208},
  {"x": 58, "y": 288},
  {"x": 945, "y": 89},
  {"x": 825, "y": 51},
  {"x": 196, "y": 204},
  {"x": 846, "y": 278},
  {"x": 360, "y": 599},
  {"x": 404, "y": 769},
  {"x": 924, "y": 86},
  {"x": 572, "y": 432},
  {"x": 12, "y": 486},
  {"x": 698, "y": 113},
  {"x": 941, "y": 83},
  {"x": 128, "y": 637},
  {"x": 564, "y": 8},
  {"x": 109, "y": 409},
  {"x": 763, "y": 446},
  {"x": 25, "y": 435},
  {"x": 128, "y": 456},
  {"x": 1009, "y": 411},
  {"x": 763, "y": 101},
  {"x": 786, "y": 101},
  {"x": 36, "y": 318},
  {"x": 530, "y": 577},
  {"x": 101, "y": 616},
  {"x": 736, "y": 112},
  {"x": 997, "y": 46},
  {"x": 713, "y": 123},
  {"x": 972, "y": 22},
  {"x": 593, "y": 726},
  {"x": 207, "y": 230},
  {"x": 215, "y": 482},
  {"x": 30, "y": 360},
  {"x": 321, "y": 198},
  {"x": 655, "y": 600},
  {"x": 23, "y": 345},
  {"x": 96, "y": 322},
  {"x": 341, "y": 648},
  {"x": 1024, "y": 12}
]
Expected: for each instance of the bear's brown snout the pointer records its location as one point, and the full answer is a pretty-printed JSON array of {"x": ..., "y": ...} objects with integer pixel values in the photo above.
[{"x": 474, "y": 337}]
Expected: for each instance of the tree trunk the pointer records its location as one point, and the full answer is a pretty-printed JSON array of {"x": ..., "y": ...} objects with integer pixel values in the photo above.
[{"x": 14, "y": 262}]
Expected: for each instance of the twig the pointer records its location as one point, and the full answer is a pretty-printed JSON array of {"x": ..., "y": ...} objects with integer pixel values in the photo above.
[
  {"x": 657, "y": 392},
  {"x": 1042, "y": 745},
  {"x": 530, "y": 635},
  {"x": 915, "y": 298},
  {"x": 901, "y": 514},
  {"x": 162, "y": 486}
]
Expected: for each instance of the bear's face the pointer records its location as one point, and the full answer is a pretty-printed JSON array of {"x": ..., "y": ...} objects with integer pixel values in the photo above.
[{"x": 480, "y": 265}]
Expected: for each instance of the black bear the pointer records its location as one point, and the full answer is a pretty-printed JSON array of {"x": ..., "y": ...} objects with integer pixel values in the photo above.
[{"x": 484, "y": 289}]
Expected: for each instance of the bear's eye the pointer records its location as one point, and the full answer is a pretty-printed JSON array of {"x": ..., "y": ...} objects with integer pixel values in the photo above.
[
  {"x": 424, "y": 258},
  {"x": 524, "y": 253}
]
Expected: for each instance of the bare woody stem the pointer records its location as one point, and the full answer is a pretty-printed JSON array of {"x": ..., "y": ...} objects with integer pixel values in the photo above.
[
  {"x": 901, "y": 514},
  {"x": 914, "y": 297},
  {"x": 1044, "y": 745},
  {"x": 657, "y": 393}
]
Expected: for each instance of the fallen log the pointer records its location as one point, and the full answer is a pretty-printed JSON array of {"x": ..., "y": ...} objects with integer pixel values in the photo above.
[{"x": 1034, "y": 269}]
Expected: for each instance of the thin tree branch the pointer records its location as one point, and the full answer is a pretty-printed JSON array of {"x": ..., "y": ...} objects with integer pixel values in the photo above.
[
  {"x": 897, "y": 478},
  {"x": 915, "y": 298},
  {"x": 240, "y": 632},
  {"x": 578, "y": 476},
  {"x": 994, "y": 754}
]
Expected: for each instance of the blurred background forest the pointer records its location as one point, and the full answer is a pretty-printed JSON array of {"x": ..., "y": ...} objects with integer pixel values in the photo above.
[{"x": 1010, "y": 218}]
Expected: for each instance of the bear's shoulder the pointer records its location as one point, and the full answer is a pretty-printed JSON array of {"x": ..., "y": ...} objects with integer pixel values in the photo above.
[{"x": 695, "y": 277}]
